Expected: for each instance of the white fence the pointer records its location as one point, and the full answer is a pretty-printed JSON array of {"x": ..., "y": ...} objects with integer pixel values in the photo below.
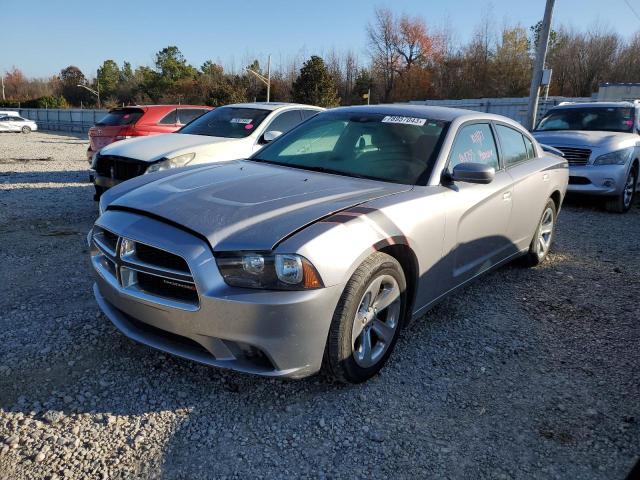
[
  {"x": 66, "y": 120},
  {"x": 515, "y": 108},
  {"x": 80, "y": 120}
]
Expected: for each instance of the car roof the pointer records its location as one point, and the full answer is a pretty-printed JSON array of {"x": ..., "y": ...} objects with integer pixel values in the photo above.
[
  {"x": 161, "y": 107},
  {"x": 594, "y": 104},
  {"x": 272, "y": 105},
  {"x": 431, "y": 112}
]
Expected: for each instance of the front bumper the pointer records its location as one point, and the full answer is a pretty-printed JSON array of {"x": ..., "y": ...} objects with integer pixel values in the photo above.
[
  {"x": 268, "y": 333},
  {"x": 597, "y": 179},
  {"x": 102, "y": 181}
]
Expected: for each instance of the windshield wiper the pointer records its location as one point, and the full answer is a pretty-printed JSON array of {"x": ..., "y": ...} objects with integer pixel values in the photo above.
[{"x": 314, "y": 169}]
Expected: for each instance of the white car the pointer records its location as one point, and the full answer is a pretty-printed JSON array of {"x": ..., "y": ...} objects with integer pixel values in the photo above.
[
  {"x": 15, "y": 123},
  {"x": 231, "y": 132}
]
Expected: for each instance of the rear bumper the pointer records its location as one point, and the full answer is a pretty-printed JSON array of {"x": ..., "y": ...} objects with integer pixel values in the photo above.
[
  {"x": 270, "y": 333},
  {"x": 597, "y": 179}
]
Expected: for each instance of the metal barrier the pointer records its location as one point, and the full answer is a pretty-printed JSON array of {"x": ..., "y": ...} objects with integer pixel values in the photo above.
[
  {"x": 514, "y": 108},
  {"x": 65, "y": 120},
  {"x": 80, "y": 120}
]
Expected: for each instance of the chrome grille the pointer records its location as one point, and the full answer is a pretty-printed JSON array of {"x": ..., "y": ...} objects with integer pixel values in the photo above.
[
  {"x": 575, "y": 156},
  {"x": 143, "y": 269}
]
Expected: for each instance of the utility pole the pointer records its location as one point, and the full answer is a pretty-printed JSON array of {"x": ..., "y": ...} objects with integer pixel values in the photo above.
[
  {"x": 266, "y": 80},
  {"x": 2, "y": 81},
  {"x": 541, "y": 54}
]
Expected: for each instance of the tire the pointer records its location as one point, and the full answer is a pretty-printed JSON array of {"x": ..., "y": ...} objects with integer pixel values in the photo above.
[
  {"x": 361, "y": 338},
  {"x": 543, "y": 238},
  {"x": 26, "y": 129},
  {"x": 99, "y": 192},
  {"x": 624, "y": 200}
]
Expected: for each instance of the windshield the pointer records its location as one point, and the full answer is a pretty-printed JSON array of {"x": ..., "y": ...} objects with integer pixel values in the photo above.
[
  {"x": 120, "y": 117},
  {"x": 610, "y": 119},
  {"x": 397, "y": 149},
  {"x": 229, "y": 122}
]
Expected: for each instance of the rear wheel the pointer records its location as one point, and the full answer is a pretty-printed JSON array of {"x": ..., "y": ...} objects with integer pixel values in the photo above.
[
  {"x": 26, "y": 129},
  {"x": 541, "y": 243},
  {"x": 367, "y": 320},
  {"x": 623, "y": 201}
]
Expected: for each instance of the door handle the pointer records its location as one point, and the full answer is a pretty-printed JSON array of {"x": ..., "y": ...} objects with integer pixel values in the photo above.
[
  {"x": 506, "y": 195},
  {"x": 545, "y": 177}
]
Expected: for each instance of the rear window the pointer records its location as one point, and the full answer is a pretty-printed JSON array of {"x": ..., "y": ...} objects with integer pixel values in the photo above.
[{"x": 119, "y": 117}]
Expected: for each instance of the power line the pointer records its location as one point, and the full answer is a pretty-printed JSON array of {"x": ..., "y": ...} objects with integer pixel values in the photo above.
[{"x": 632, "y": 9}]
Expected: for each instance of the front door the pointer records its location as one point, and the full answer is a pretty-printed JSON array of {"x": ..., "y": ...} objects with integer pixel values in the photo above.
[{"x": 478, "y": 215}]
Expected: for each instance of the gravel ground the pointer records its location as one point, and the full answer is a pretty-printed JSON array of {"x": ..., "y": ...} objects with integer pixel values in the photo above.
[{"x": 526, "y": 374}]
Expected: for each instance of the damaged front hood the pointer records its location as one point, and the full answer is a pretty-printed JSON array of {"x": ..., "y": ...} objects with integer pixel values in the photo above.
[{"x": 244, "y": 205}]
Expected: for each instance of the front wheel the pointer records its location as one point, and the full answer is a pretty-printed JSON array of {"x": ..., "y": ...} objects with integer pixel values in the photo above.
[
  {"x": 367, "y": 320},
  {"x": 623, "y": 201},
  {"x": 26, "y": 129},
  {"x": 542, "y": 239}
]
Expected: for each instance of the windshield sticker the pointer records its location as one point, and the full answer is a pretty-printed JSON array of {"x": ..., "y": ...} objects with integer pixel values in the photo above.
[
  {"x": 248, "y": 127},
  {"x": 404, "y": 120},
  {"x": 477, "y": 136},
  {"x": 240, "y": 120}
]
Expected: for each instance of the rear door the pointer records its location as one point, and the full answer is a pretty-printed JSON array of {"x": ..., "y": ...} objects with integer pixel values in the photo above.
[
  {"x": 519, "y": 157},
  {"x": 4, "y": 123},
  {"x": 478, "y": 215}
]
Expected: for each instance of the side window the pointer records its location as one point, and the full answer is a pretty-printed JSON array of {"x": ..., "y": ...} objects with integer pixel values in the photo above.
[
  {"x": 531, "y": 152},
  {"x": 285, "y": 121},
  {"x": 185, "y": 115},
  {"x": 512, "y": 143},
  {"x": 170, "y": 118},
  {"x": 309, "y": 113},
  {"x": 474, "y": 144}
]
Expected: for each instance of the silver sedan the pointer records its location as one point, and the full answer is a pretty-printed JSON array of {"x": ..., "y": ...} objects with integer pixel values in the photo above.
[{"x": 317, "y": 251}]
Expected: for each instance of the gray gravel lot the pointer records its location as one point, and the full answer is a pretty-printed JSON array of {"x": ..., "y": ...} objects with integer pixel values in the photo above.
[{"x": 525, "y": 374}]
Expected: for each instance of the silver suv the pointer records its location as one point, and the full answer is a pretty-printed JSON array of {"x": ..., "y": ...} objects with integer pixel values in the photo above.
[{"x": 601, "y": 142}]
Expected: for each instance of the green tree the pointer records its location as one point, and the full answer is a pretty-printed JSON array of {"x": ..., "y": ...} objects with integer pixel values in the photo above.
[
  {"x": 172, "y": 66},
  {"x": 126, "y": 74},
  {"x": 362, "y": 85},
  {"x": 314, "y": 85},
  {"x": 70, "y": 78},
  {"x": 108, "y": 78}
]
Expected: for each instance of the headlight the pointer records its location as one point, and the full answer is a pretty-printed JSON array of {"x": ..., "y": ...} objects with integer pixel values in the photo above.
[
  {"x": 175, "y": 162},
  {"x": 268, "y": 271},
  {"x": 619, "y": 157}
]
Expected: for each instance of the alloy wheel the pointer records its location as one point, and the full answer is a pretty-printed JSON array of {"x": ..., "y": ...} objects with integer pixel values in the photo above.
[
  {"x": 629, "y": 189},
  {"x": 376, "y": 320},
  {"x": 545, "y": 233}
]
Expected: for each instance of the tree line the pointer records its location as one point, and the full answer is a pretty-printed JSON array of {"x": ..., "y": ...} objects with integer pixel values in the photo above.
[{"x": 405, "y": 59}]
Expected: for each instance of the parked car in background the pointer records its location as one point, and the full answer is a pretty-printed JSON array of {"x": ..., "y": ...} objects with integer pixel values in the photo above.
[
  {"x": 601, "y": 142},
  {"x": 15, "y": 123},
  {"x": 316, "y": 251},
  {"x": 227, "y": 133},
  {"x": 140, "y": 121}
]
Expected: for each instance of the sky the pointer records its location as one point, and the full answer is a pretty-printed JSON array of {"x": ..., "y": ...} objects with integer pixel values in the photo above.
[{"x": 43, "y": 36}]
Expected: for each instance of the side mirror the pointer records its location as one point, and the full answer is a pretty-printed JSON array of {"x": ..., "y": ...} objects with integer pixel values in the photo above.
[
  {"x": 270, "y": 136},
  {"x": 473, "y": 173},
  {"x": 550, "y": 149}
]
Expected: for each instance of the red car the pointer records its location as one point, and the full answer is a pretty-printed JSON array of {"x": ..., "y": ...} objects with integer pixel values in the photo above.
[{"x": 136, "y": 121}]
